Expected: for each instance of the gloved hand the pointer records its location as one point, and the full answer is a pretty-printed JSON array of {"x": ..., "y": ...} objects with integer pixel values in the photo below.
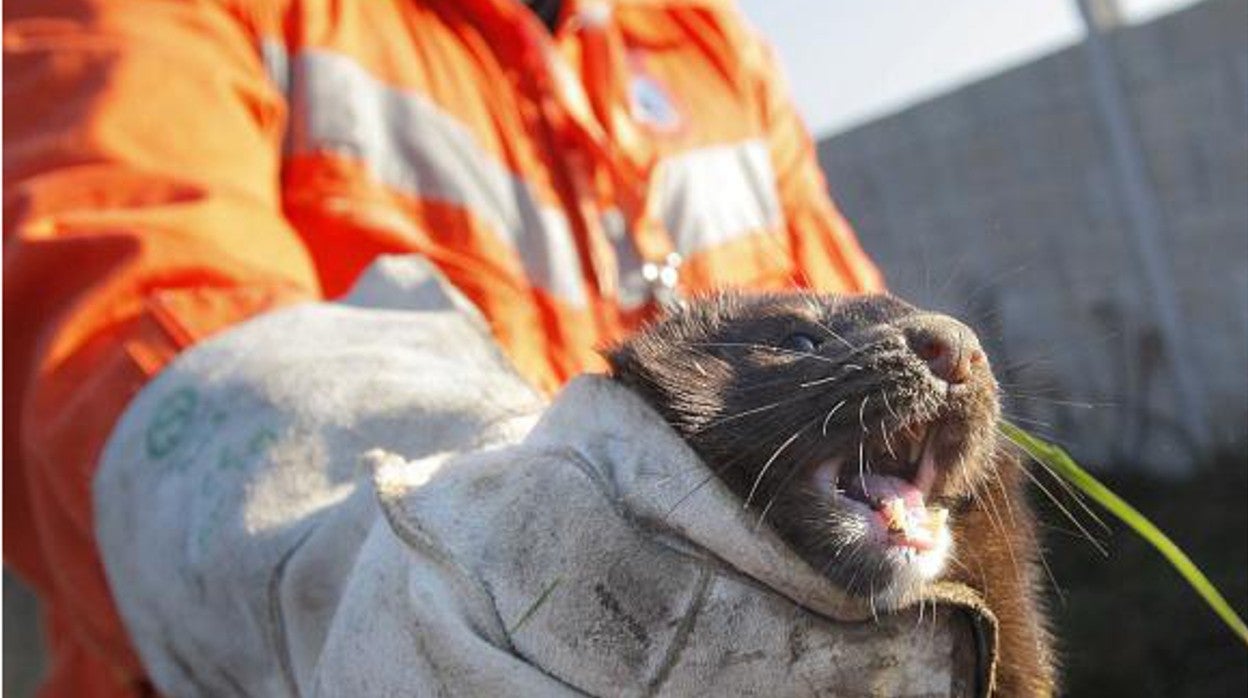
[{"x": 251, "y": 552}]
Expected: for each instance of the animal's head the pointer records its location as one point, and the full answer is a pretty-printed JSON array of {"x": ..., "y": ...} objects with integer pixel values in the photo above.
[{"x": 854, "y": 425}]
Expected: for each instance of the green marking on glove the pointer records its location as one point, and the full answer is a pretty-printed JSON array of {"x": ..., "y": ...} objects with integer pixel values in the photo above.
[{"x": 171, "y": 422}]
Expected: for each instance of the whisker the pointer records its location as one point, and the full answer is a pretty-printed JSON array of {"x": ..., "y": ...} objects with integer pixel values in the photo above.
[
  {"x": 688, "y": 494},
  {"x": 861, "y": 465},
  {"x": 1027, "y": 420},
  {"x": 1079, "y": 499},
  {"x": 836, "y": 336},
  {"x": 767, "y": 466},
  {"x": 884, "y": 396},
  {"x": 1005, "y": 498},
  {"x": 776, "y": 495},
  {"x": 828, "y": 379},
  {"x": 743, "y": 413},
  {"x": 828, "y": 418},
  {"x": 1061, "y": 530},
  {"x": 1055, "y": 401},
  {"x": 715, "y": 472},
  {"x": 887, "y": 443},
  {"x": 1071, "y": 492},
  {"x": 755, "y": 386},
  {"x": 1048, "y": 572},
  {"x": 952, "y": 557},
  {"x": 996, "y": 280},
  {"x": 766, "y": 347},
  {"x": 1005, "y": 536},
  {"x": 1078, "y": 524}
]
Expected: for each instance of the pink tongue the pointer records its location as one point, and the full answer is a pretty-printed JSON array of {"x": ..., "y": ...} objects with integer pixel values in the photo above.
[
  {"x": 901, "y": 508},
  {"x": 881, "y": 488}
]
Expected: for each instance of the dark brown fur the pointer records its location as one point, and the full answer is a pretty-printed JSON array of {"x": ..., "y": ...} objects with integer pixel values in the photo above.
[{"x": 736, "y": 376}]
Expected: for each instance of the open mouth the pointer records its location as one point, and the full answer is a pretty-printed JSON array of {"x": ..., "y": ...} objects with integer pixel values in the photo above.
[{"x": 889, "y": 481}]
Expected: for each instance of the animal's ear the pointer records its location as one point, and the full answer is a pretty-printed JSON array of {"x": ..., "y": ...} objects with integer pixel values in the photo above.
[
  {"x": 629, "y": 358},
  {"x": 620, "y": 357},
  {"x": 632, "y": 361}
]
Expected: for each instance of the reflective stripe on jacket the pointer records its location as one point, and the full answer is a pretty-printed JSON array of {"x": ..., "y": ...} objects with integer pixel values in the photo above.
[{"x": 174, "y": 168}]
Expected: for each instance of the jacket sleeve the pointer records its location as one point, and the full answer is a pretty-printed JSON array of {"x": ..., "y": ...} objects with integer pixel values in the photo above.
[
  {"x": 825, "y": 249},
  {"x": 141, "y": 213}
]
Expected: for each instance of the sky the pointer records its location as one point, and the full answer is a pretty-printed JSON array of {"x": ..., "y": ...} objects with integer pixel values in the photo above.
[{"x": 850, "y": 61}]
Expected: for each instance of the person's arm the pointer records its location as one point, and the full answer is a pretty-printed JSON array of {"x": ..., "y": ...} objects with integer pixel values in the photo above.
[
  {"x": 141, "y": 213},
  {"x": 825, "y": 249}
]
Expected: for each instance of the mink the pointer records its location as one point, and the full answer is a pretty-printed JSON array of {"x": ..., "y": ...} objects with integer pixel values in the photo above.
[{"x": 863, "y": 430}]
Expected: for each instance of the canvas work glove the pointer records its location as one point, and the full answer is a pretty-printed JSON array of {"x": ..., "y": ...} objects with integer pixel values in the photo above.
[{"x": 363, "y": 499}]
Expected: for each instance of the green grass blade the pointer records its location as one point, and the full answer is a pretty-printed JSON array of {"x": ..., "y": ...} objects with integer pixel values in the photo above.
[{"x": 1062, "y": 464}]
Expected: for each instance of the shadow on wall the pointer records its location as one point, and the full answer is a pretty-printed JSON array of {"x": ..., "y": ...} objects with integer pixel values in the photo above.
[
  {"x": 23, "y": 652},
  {"x": 999, "y": 203},
  {"x": 1127, "y": 624}
]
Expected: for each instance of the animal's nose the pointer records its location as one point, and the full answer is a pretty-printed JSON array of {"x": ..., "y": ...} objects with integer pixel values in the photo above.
[{"x": 950, "y": 349}]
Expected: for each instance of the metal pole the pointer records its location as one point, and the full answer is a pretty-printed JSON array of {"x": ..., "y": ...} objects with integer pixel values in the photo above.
[{"x": 1144, "y": 219}]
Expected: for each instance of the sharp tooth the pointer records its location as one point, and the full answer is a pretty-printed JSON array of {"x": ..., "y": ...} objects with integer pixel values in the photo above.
[
  {"x": 827, "y": 475},
  {"x": 915, "y": 450},
  {"x": 926, "y": 475},
  {"x": 888, "y": 445}
]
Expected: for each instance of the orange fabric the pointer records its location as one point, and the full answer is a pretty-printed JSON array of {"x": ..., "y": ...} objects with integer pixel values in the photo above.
[{"x": 164, "y": 180}]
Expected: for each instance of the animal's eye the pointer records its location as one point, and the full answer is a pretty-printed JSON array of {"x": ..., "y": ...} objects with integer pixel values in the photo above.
[{"x": 800, "y": 342}]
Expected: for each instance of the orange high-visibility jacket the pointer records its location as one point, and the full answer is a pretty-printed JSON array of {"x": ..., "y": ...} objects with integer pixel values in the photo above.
[{"x": 172, "y": 168}]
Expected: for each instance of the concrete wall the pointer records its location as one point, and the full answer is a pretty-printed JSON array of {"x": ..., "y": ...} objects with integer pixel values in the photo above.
[{"x": 997, "y": 202}]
